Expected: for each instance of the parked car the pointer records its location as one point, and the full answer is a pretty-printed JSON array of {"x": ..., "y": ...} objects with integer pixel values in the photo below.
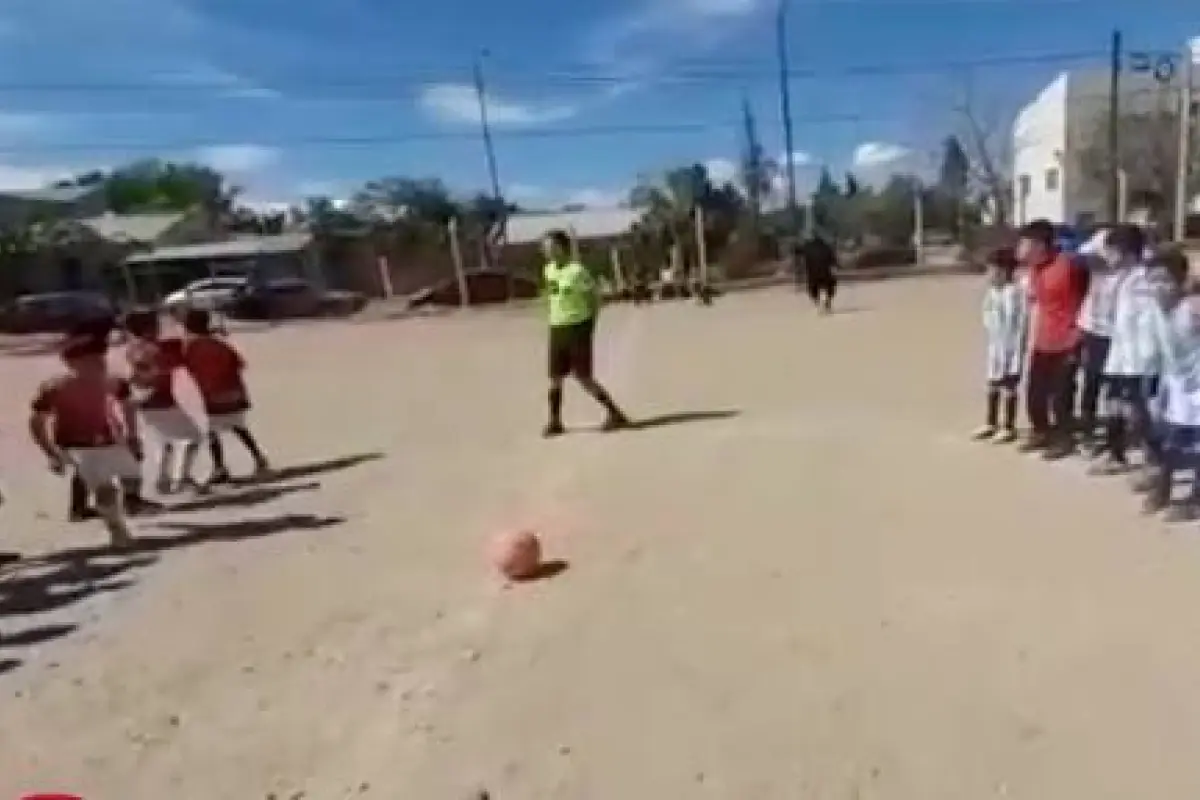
[
  {"x": 55, "y": 312},
  {"x": 211, "y": 294},
  {"x": 289, "y": 298}
]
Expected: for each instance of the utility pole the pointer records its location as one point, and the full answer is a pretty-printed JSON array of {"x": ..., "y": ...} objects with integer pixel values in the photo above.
[
  {"x": 486, "y": 129},
  {"x": 785, "y": 104},
  {"x": 1114, "y": 131},
  {"x": 1186, "y": 105}
]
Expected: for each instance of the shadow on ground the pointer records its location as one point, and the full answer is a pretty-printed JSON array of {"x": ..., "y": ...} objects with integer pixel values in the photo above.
[
  {"x": 241, "y": 499},
  {"x": 313, "y": 469},
  {"x": 59, "y": 580},
  {"x": 682, "y": 418}
]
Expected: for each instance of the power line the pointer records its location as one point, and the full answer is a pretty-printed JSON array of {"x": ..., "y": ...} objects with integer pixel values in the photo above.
[{"x": 714, "y": 72}]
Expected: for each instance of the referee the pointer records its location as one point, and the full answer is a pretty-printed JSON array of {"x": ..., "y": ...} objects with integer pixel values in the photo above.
[{"x": 573, "y": 303}]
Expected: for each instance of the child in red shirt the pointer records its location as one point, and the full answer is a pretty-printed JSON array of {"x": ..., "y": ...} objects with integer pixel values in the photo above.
[
  {"x": 216, "y": 368},
  {"x": 152, "y": 363},
  {"x": 83, "y": 419}
]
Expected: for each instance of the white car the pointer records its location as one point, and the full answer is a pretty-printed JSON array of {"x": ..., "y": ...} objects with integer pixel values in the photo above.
[{"x": 210, "y": 294}]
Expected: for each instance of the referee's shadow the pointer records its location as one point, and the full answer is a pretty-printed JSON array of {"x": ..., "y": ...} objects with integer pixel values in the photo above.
[{"x": 680, "y": 418}]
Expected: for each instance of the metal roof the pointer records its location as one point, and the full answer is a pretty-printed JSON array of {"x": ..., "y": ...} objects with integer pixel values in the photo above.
[
  {"x": 589, "y": 223},
  {"x": 53, "y": 194},
  {"x": 132, "y": 227},
  {"x": 247, "y": 247}
]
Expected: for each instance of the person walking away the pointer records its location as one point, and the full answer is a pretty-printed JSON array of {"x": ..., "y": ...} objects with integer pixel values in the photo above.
[
  {"x": 153, "y": 362},
  {"x": 83, "y": 420},
  {"x": 1005, "y": 320},
  {"x": 1057, "y": 288},
  {"x": 1133, "y": 354},
  {"x": 573, "y": 305},
  {"x": 819, "y": 262},
  {"x": 218, "y": 372},
  {"x": 1095, "y": 325},
  {"x": 1176, "y": 326}
]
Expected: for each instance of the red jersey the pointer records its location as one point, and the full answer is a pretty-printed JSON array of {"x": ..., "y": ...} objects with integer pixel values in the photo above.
[
  {"x": 84, "y": 410},
  {"x": 152, "y": 365},
  {"x": 1058, "y": 289},
  {"x": 217, "y": 367}
]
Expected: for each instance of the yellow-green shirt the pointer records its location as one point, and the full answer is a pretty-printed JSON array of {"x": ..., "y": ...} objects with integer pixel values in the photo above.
[{"x": 571, "y": 293}]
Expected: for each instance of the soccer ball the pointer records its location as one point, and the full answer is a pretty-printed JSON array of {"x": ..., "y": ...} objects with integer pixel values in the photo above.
[{"x": 516, "y": 555}]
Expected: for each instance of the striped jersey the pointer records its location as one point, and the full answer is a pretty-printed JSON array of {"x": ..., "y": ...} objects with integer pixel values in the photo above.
[
  {"x": 1005, "y": 323},
  {"x": 1178, "y": 333},
  {"x": 1096, "y": 313},
  {"x": 1134, "y": 350}
]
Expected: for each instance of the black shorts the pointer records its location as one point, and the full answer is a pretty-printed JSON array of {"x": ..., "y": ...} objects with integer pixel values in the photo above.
[
  {"x": 821, "y": 285},
  {"x": 571, "y": 350}
]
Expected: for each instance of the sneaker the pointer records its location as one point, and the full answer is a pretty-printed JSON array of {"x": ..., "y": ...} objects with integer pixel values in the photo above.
[
  {"x": 1005, "y": 436},
  {"x": 1059, "y": 451},
  {"x": 1107, "y": 465},
  {"x": 220, "y": 478},
  {"x": 615, "y": 422},
  {"x": 194, "y": 486},
  {"x": 165, "y": 486},
  {"x": 137, "y": 506},
  {"x": 1183, "y": 512},
  {"x": 262, "y": 472},
  {"x": 1035, "y": 443},
  {"x": 119, "y": 536},
  {"x": 1144, "y": 480},
  {"x": 984, "y": 433},
  {"x": 553, "y": 429},
  {"x": 1154, "y": 504},
  {"x": 83, "y": 514}
]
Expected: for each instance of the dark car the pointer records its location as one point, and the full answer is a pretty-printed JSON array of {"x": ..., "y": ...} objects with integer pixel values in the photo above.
[
  {"x": 55, "y": 312},
  {"x": 290, "y": 298}
]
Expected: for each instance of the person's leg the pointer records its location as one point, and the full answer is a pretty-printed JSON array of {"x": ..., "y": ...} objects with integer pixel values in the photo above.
[
  {"x": 991, "y": 421},
  {"x": 165, "y": 482},
  {"x": 1037, "y": 392},
  {"x": 1062, "y": 405},
  {"x": 582, "y": 368},
  {"x": 814, "y": 291},
  {"x": 1008, "y": 422},
  {"x": 1159, "y": 483},
  {"x": 216, "y": 451},
  {"x": 103, "y": 470},
  {"x": 830, "y": 291},
  {"x": 558, "y": 367},
  {"x": 80, "y": 507},
  {"x": 251, "y": 444},
  {"x": 1095, "y": 352}
]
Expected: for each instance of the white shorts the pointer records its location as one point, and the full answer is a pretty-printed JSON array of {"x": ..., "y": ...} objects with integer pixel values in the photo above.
[
  {"x": 98, "y": 467},
  {"x": 171, "y": 425},
  {"x": 227, "y": 422}
]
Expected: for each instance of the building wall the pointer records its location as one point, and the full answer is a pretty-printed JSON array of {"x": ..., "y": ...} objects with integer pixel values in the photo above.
[{"x": 1039, "y": 140}]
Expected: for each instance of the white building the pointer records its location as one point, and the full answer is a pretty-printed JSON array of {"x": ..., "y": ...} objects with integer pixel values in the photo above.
[{"x": 1050, "y": 133}]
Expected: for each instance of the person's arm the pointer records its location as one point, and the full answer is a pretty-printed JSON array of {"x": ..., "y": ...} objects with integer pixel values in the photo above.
[{"x": 40, "y": 423}]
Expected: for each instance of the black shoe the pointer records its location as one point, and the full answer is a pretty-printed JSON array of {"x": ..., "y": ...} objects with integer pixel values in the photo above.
[
  {"x": 137, "y": 506},
  {"x": 1034, "y": 444},
  {"x": 82, "y": 514},
  {"x": 220, "y": 477},
  {"x": 1059, "y": 451},
  {"x": 1188, "y": 511},
  {"x": 552, "y": 429},
  {"x": 1154, "y": 503},
  {"x": 615, "y": 422}
]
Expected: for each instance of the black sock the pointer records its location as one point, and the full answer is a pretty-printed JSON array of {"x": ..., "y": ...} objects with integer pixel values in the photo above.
[
  {"x": 247, "y": 438},
  {"x": 217, "y": 452},
  {"x": 1116, "y": 437},
  {"x": 1010, "y": 411},
  {"x": 79, "y": 496},
  {"x": 993, "y": 408},
  {"x": 603, "y": 398},
  {"x": 555, "y": 399}
]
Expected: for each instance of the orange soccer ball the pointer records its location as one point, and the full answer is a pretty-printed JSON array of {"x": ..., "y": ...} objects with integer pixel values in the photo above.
[{"x": 517, "y": 555}]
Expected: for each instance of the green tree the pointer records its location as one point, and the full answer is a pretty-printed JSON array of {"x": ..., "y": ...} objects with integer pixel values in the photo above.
[{"x": 757, "y": 170}]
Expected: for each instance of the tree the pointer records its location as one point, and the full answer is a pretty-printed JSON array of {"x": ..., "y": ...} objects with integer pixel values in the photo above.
[
  {"x": 424, "y": 200},
  {"x": 954, "y": 180},
  {"x": 826, "y": 204},
  {"x": 757, "y": 171},
  {"x": 164, "y": 186},
  {"x": 1149, "y": 155},
  {"x": 987, "y": 142}
]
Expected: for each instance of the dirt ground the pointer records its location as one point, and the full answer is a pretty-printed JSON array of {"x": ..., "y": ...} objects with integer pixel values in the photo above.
[{"x": 814, "y": 587}]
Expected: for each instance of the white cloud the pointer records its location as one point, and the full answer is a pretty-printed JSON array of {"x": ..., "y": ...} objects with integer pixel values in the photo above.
[
  {"x": 524, "y": 191},
  {"x": 721, "y": 170},
  {"x": 20, "y": 123},
  {"x": 241, "y": 158},
  {"x": 223, "y": 82},
  {"x": 459, "y": 103},
  {"x": 23, "y": 179},
  {"x": 596, "y": 198},
  {"x": 799, "y": 158},
  {"x": 878, "y": 154}
]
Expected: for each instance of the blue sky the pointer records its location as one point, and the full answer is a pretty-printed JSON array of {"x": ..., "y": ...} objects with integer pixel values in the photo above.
[{"x": 295, "y": 98}]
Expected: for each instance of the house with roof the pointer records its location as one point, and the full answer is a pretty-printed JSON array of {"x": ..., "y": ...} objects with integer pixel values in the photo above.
[{"x": 26, "y": 207}]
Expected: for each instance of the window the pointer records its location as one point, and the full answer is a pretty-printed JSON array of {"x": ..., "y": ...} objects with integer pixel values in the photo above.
[
  {"x": 1052, "y": 179},
  {"x": 1023, "y": 185}
]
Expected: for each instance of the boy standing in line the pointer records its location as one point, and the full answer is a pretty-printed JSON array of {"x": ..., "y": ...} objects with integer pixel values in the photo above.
[
  {"x": 1004, "y": 320},
  {"x": 1095, "y": 325},
  {"x": 1057, "y": 287},
  {"x": 1134, "y": 353},
  {"x": 573, "y": 305}
]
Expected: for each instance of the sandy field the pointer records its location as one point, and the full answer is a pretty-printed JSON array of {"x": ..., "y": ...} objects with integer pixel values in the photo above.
[{"x": 800, "y": 582}]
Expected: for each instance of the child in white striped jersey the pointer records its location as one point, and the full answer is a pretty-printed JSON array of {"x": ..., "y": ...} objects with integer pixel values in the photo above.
[
  {"x": 1133, "y": 356},
  {"x": 1005, "y": 321},
  {"x": 1176, "y": 326},
  {"x": 1096, "y": 324}
]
